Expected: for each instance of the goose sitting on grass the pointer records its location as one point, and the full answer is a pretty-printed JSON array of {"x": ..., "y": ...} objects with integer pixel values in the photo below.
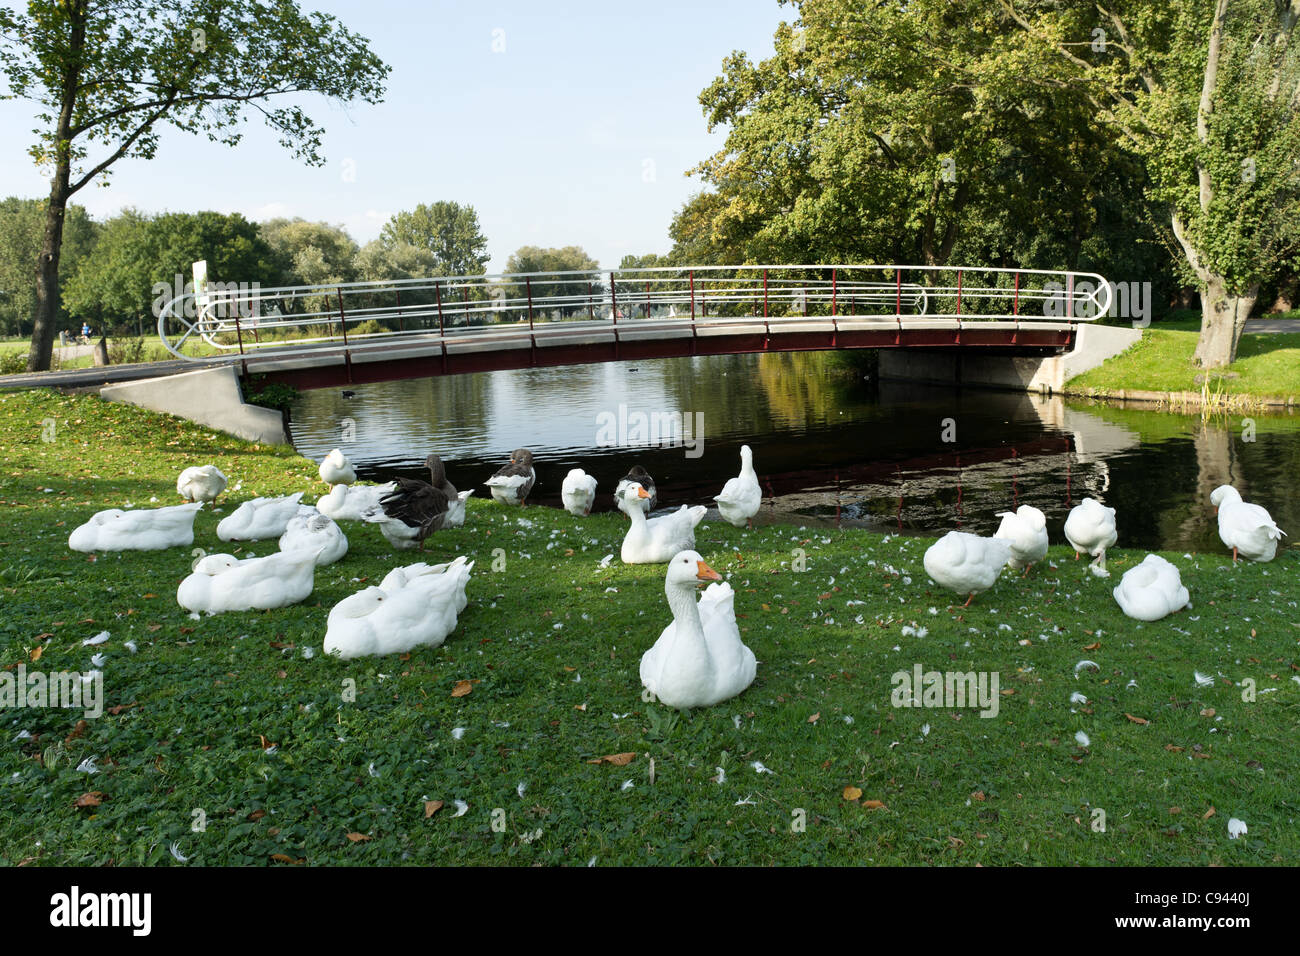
[
  {"x": 656, "y": 540},
  {"x": 1249, "y": 530},
  {"x": 318, "y": 533},
  {"x": 578, "y": 492},
  {"x": 261, "y": 518},
  {"x": 201, "y": 483},
  {"x": 1151, "y": 590},
  {"x": 512, "y": 482},
  {"x": 1090, "y": 529},
  {"x": 1025, "y": 529},
  {"x": 699, "y": 659},
  {"x": 642, "y": 478},
  {"x": 141, "y": 529},
  {"x": 415, "y": 606},
  {"x": 335, "y": 469},
  {"x": 966, "y": 563},
  {"x": 741, "y": 496},
  {"x": 351, "y": 502},
  {"x": 222, "y": 582}
]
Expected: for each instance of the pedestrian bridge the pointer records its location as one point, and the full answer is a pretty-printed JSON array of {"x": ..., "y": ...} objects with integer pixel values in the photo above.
[{"x": 338, "y": 334}]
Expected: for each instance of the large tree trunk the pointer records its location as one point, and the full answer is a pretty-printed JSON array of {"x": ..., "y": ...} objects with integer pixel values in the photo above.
[
  {"x": 1223, "y": 316},
  {"x": 47, "y": 276}
]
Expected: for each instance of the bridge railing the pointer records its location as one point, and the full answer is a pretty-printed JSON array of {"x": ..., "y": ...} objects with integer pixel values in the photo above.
[{"x": 229, "y": 318}]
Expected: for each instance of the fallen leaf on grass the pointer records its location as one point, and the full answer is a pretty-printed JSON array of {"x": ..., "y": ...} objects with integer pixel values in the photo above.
[
  {"x": 815, "y": 717},
  {"x": 37, "y": 652},
  {"x": 874, "y": 805},
  {"x": 1137, "y": 720},
  {"x": 852, "y": 793},
  {"x": 78, "y": 731},
  {"x": 462, "y": 688},
  {"x": 618, "y": 760},
  {"x": 92, "y": 799},
  {"x": 431, "y": 807},
  {"x": 1207, "y": 712},
  {"x": 255, "y": 816},
  {"x": 1208, "y": 813},
  {"x": 978, "y": 795},
  {"x": 285, "y": 858},
  {"x": 1173, "y": 748},
  {"x": 1094, "y": 646},
  {"x": 359, "y": 837}
]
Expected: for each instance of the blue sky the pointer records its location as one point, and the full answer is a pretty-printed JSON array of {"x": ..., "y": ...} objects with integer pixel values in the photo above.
[{"x": 577, "y": 133}]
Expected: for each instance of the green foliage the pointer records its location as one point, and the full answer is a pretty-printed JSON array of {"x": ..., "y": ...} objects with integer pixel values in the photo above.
[
  {"x": 22, "y": 224},
  {"x": 139, "y": 260},
  {"x": 567, "y": 259},
  {"x": 446, "y": 230},
  {"x": 277, "y": 395}
]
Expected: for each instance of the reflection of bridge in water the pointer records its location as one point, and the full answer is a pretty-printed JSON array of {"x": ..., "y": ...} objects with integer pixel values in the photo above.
[{"x": 329, "y": 335}]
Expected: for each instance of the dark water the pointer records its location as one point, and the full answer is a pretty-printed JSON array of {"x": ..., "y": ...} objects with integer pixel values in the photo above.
[{"x": 828, "y": 445}]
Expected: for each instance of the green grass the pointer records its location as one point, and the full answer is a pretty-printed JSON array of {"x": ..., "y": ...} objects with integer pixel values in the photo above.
[
  {"x": 1267, "y": 365},
  {"x": 554, "y": 641}
]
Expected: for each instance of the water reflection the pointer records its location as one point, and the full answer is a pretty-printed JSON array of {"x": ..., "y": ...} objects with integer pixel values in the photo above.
[{"x": 829, "y": 447}]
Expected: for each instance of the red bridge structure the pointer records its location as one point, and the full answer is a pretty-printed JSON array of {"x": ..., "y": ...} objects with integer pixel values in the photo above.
[{"x": 332, "y": 335}]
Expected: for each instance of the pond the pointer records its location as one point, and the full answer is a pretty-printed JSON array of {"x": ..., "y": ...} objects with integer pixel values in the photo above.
[{"x": 831, "y": 444}]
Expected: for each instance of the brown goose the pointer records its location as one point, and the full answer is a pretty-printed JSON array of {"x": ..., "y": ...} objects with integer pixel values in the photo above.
[
  {"x": 511, "y": 484},
  {"x": 415, "y": 509}
]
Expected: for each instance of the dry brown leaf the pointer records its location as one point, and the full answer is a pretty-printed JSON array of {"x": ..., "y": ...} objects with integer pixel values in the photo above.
[
  {"x": 431, "y": 807},
  {"x": 92, "y": 799},
  {"x": 359, "y": 837},
  {"x": 37, "y": 652},
  {"x": 873, "y": 805},
  {"x": 1208, "y": 813},
  {"x": 1173, "y": 748},
  {"x": 815, "y": 717},
  {"x": 852, "y": 793},
  {"x": 284, "y": 858},
  {"x": 1137, "y": 720},
  {"x": 462, "y": 688},
  {"x": 1175, "y": 809},
  {"x": 255, "y": 816},
  {"x": 1207, "y": 712},
  {"x": 1095, "y": 645},
  {"x": 78, "y": 731},
  {"x": 978, "y": 795},
  {"x": 618, "y": 760}
]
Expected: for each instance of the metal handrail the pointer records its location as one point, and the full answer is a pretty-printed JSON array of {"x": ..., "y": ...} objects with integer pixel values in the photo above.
[{"x": 548, "y": 301}]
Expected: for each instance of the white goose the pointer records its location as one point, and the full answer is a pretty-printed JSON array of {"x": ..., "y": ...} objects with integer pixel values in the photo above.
[
  {"x": 261, "y": 518},
  {"x": 222, "y": 582},
  {"x": 1246, "y": 528},
  {"x": 143, "y": 529},
  {"x": 578, "y": 492},
  {"x": 1090, "y": 529},
  {"x": 656, "y": 540},
  {"x": 1025, "y": 529},
  {"x": 456, "y": 510},
  {"x": 699, "y": 659},
  {"x": 1151, "y": 590},
  {"x": 201, "y": 483},
  {"x": 335, "y": 469},
  {"x": 415, "y": 606},
  {"x": 966, "y": 563},
  {"x": 741, "y": 496},
  {"x": 351, "y": 502},
  {"x": 315, "y": 532}
]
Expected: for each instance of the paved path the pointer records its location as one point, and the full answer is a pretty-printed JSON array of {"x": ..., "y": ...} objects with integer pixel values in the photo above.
[
  {"x": 95, "y": 377},
  {"x": 1271, "y": 325}
]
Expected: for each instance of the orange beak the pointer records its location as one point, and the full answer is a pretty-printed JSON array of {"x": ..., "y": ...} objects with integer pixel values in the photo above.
[
  {"x": 704, "y": 572},
  {"x": 642, "y": 493}
]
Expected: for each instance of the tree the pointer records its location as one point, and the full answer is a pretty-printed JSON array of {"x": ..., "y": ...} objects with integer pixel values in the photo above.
[
  {"x": 142, "y": 261},
  {"x": 582, "y": 289},
  {"x": 21, "y": 226},
  {"x": 315, "y": 253},
  {"x": 109, "y": 76},
  {"x": 448, "y": 230},
  {"x": 1208, "y": 94}
]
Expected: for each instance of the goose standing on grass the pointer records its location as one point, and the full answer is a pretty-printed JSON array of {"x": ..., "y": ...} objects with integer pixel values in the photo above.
[
  {"x": 656, "y": 540},
  {"x": 1151, "y": 590},
  {"x": 261, "y": 518},
  {"x": 318, "y": 533},
  {"x": 415, "y": 509},
  {"x": 578, "y": 492},
  {"x": 415, "y": 606},
  {"x": 222, "y": 582},
  {"x": 512, "y": 482},
  {"x": 1247, "y": 529},
  {"x": 1090, "y": 529},
  {"x": 1025, "y": 529},
  {"x": 143, "y": 529},
  {"x": 741, "y": 496},
  {"x": 335, "y": 469},
  {"x": 966, "y": 563},
  {"x": 699, "y": 659},
  {"x": 201, "y": 483},
  {"x": 351, "y": 502},
  {"x": 642, "y": 478}
]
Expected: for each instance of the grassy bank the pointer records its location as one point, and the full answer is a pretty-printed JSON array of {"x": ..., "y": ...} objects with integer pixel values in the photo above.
[
  {"x": 1267, "y": 366},
  {"x": 242, "y": 718}
]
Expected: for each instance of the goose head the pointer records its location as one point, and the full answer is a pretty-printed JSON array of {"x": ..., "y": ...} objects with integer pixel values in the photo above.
[
  {"x": 746, "y": 457},
  {"x": 1224, "y": 494},
  {"x": 633, "y": 492},
  {"x": 687, "y": 570},
  {"x": 521, "y": 456},
  {"x": 361, "y": 604}
]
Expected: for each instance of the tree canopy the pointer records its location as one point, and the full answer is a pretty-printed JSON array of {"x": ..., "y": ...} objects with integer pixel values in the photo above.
[{"x": 449, "y": 231}]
